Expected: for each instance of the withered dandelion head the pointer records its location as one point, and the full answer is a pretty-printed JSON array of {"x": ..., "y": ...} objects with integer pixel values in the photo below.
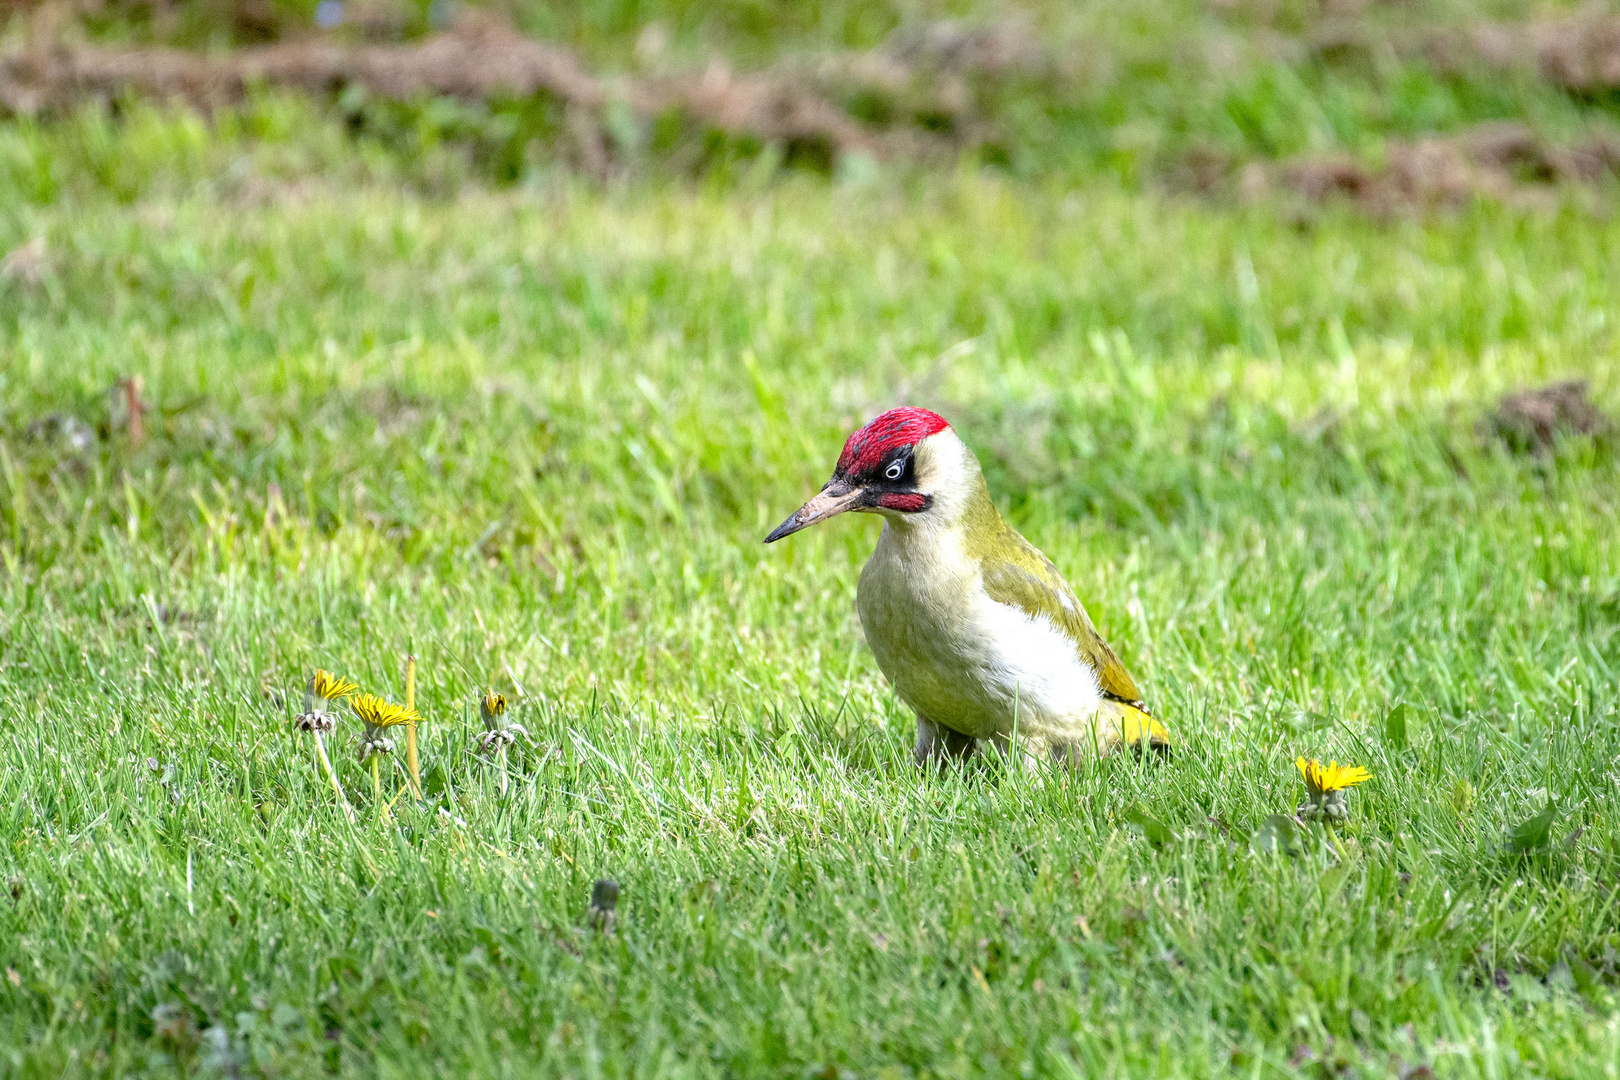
[
  {"x": 379, "y": 715},
  {"x": 1327, "y": 785},
  {"x": 492, "y": 706},
  {"x": 315, "y": 721}
]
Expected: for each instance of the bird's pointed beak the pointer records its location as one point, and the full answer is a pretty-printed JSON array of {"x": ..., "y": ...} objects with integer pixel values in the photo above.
[{"x": 835, "y": 498}]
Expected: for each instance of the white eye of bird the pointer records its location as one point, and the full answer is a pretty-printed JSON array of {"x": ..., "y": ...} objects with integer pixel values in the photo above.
[{"x": 895, "y": 469}]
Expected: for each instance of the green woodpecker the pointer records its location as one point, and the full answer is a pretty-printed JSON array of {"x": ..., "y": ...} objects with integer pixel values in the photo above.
[{"x": 976, "y": 629}]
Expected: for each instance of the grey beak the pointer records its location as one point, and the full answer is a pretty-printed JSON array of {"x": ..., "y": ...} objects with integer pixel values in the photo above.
[{"x": 835, "y": 498}]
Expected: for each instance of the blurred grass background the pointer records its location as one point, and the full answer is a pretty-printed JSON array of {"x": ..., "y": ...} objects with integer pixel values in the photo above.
[{"x": 410, "y": 379}]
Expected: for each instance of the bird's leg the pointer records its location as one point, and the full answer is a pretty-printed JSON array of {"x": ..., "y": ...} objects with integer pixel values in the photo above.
[
  {"x": 939, "y": 744},
  {"x": 1033, "y": 750},
  {"x": 1072, "y": 755}
]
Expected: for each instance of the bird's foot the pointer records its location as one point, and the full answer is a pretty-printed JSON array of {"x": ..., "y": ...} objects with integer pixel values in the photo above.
[{"x": 939, "y": 745}]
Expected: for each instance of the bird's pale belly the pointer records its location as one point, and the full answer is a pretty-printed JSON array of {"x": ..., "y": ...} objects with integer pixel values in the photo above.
[{"x": 965, "y": 661}]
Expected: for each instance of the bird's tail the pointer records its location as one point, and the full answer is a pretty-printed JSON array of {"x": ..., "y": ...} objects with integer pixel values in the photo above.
[{"x": 1123, "y": 723}]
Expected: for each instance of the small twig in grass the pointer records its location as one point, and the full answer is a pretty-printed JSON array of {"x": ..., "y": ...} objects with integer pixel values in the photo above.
[
  {"x": 411, "y": 764},
  {"x": 129, "y": 408}
]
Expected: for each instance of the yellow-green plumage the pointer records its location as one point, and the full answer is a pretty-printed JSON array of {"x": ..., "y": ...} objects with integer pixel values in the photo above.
[
  {"x": 937, "y": 603},
  {"x": 974, "y": 627}
]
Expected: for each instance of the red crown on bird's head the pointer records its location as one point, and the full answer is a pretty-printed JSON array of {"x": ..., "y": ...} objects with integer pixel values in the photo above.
[{"x": 898, "y": 427}]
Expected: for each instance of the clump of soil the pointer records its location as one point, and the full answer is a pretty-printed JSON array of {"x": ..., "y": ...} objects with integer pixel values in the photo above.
[
  {"x": 920, "y": 77},
  {"x": 1001, "y": 48},
  {"x": 1581, "y": 53},
  {"x": 1532, "y": 421},
  {"x": 1501, "y": 161},
  {"x": 479, "y": 62}
]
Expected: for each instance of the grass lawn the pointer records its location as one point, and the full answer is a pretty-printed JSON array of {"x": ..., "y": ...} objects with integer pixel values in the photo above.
[{"x": 535, "y": 435}]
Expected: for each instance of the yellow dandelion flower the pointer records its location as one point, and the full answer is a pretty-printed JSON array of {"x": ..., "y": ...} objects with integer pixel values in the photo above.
[
  {"x": 324, "y": 688},
  {"x": 492, "y": 705},
  {"x": 376, "y": 712},
  {"x": 1322, "y": 779},
  {"x": 1327, "y": 785},
  {"x": 378, "y": 715}
]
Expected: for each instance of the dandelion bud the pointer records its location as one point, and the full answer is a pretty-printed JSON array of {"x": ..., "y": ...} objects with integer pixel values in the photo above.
[{"x": 500, "y": 730}]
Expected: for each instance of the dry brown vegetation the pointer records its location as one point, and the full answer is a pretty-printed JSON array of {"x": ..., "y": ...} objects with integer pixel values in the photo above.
[{"x": 920, "y": 75}]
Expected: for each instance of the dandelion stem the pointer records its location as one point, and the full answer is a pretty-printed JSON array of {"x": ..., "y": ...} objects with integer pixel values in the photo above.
[
  {"x": 337, "y": 788},
  {"x": 376, "y": 788},
  {"x": 412, "y": 766},
  {"x": 502, "y": 766}
]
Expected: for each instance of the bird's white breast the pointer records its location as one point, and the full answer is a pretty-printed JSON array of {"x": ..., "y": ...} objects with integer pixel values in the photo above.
[
  {"x": 959, "y": 657},
  {"x": 1028, "y": 658}
]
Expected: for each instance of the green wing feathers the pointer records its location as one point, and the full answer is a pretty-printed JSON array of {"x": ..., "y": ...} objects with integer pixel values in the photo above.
[{"x": 1017, "y": 574}]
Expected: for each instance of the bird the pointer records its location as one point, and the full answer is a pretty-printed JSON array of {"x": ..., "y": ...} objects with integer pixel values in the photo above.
[{"x": 973, "y": 626}]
